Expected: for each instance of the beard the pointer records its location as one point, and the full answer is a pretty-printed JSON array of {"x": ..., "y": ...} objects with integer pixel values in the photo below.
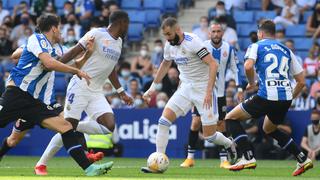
[{"x": 216, "y": 41}]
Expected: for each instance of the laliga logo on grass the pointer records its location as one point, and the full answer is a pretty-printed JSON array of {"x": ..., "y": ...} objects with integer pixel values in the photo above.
[{"x": 147, "y": 131}]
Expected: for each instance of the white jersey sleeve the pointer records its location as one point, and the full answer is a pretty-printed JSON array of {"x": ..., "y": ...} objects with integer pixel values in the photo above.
[
  {"x": 83, "y": 40},
  {"x": 252, "y": 52},
  {"x": 198, "y": 47},
  {"x": 167, "y": 53},
  {"x": 295, "y": 67},
  {"x": 37, "y": 44}
]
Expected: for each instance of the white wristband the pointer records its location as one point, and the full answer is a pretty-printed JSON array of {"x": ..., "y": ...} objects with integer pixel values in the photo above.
[{"x": 120, "y": 90}]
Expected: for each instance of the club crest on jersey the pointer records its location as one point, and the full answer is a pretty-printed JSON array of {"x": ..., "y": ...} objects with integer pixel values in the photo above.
[
  {"x": 225, "y": 54},
  {"x": 106, "y": 42},
  {"x": 44, "y": 44}
]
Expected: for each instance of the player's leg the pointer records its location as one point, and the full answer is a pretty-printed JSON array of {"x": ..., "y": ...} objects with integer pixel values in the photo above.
[
  {"x": 275, "y": 117},
  {"x": 252, "y": 107},
  {"x": 193, "y": 138},
  {"x": 11, "y": 141}
]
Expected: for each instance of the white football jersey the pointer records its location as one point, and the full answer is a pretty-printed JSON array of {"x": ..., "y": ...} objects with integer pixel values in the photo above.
[
  {"x": 105, "y": 56},
  {"x": 187, "y": 57}
]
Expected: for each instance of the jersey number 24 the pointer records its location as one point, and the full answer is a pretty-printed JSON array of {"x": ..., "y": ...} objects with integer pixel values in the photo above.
[{"x": 282, "y": 69}]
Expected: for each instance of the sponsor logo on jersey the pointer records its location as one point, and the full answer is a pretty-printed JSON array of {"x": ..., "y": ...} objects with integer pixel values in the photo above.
[
  {"x": 278, "y": 83},
  {"x": 225, "y": 54},
  {"x": 181, "y": 61},
  {"x": 138, "y": 130}
]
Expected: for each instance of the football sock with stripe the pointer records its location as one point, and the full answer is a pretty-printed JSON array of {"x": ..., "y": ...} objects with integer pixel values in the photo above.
[
  {"x": 162, "y": 136},
  {"x": 288, "y": 144},
  {"x": 193, "y": 138},
  {"x": 75, "y": 150}
]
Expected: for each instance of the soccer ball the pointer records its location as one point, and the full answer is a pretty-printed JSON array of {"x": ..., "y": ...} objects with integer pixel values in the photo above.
[{"x": 158, "y": 162}]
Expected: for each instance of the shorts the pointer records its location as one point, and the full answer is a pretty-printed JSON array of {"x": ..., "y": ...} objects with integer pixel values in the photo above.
[
  {"x": 17, "y": 104},
  {"x": 222, "y": 109},
  {"x": 189, "y": 95},
  {"x": 276, "y": 111},
  {"x": 79, "y": 99}
]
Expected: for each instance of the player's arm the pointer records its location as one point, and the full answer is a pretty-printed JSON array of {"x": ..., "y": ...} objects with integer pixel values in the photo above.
[
  {"x": 250, "y": 60},
  {"x": 297, "y": 71},
  {"x": 78, "y": 63},
  {"x": 113, "y": 77},
  {"x": 16, "y": 55}
]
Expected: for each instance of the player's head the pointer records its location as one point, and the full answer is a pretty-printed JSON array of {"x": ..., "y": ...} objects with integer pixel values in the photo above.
[
  {"x": 172, "y": 31},
  {"x": 266, "y": 29},
  {"x": 50, "y": 24},
  {"x": 120, "y": 19},
  {"x": 216, "y": 33}
]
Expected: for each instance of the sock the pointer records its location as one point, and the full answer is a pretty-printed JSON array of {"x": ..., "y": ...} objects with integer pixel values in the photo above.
[
  {"x": 193, "y": 138},
  {"x": 4, "y": 148},
  {"x": 241, "y": 138},
  {"x": 219, "y": 139},
  {"x": 82, "y": 140},
  {"x": 223, "y": 154},
  {"x": 162, "y": 136},
  {"x": 288, "y": 144},
  {"x": 75, "y": 150},
  {"x": 53, "y": 147},
  {"x": 92, "y": 127}
]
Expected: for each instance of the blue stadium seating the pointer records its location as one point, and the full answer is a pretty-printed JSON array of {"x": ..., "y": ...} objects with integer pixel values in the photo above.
[
  {"x": 302, "y": 54},
  {"x": 154, "y": 4},
  {"x": 306, "y": 15},
  {"x": 131, "y": 4},
  {"x": 245, "y": 29},
  {"x": 60, "y": 84},
  {"x": 302, "y": 43},
  {"x": 240, "y": 55},
  {"x": 244, "y": 43},
  {"x": 59, "y": 3},
  {"x": 11, "y": 3},
  {"x": 137, "y": 16},
  {"x": 171, "y": 6},
  {"x": 253, "y": 5},
  {"x": 243, "y": 16},
  {"x": 153, "y": 18},
  {"x": 298, "y": 30},
  {"x": 264, "y": 15},
  {"x": 212, "y": 13},
  {"x": 135, "y": 32}
]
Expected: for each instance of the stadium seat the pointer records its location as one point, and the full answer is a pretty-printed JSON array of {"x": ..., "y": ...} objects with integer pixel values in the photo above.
[
  {"x": 264, "y": 15},
  {"x": 60, "y": 84},
  {"x": 171, "y": 6},
  {"x": 131, "y": 4},
  {"x": 302, "y": 54},
  {"x": 59, "y": 3},
  {"x": 137, "y": 16},
  {"x": 243, "y": 16},
  {"x": 153, "y": 18},
  {"x": 245, "y": 29},
  {"x": 153, "y": 4},
  {"x": 253, "y": 5},
  {"x": 244, "y": 43},
  {"x": 135, "y": 32},
  {"x": 240, "y": 55},
  {"x": 306, "y": 15},
  {"x": 12, "y": 3},
  {"x": 212, "y": 13},
  {"x": 195, "y": 26},
  {"x": 303, "y": 43},
  {"x": 298, "y": 30}
]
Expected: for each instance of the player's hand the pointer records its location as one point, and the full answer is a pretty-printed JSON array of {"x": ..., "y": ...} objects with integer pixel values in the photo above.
[
  {"x": 147, "y": 96},
  {"x": 82, "y": 74},
  {"x": 240, "y": 96},
  {"x": 127, "y": 99},
  {"x": 90, "y": 45},
  {"x": 251, "y": 87},
  {"x": 207, "y": 103}
]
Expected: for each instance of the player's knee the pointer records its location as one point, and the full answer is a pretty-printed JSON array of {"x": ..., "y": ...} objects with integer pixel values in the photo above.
[{"x": 65, "y": 126}]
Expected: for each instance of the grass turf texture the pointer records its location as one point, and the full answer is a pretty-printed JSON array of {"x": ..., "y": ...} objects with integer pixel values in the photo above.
[{"x": 16, "y": 167}]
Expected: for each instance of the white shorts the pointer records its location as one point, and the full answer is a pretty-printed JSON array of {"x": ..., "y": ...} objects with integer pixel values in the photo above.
[
  {"x": 80, "y": 100},
  {"x": 189, "y": 95}
]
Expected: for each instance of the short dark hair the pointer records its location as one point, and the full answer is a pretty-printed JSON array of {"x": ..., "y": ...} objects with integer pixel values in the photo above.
[
  {"x": 268, "y": 26},
  {"x": 46, "y": 21},
  {"x": 220, "y": 3},
  {"x": 169, "y": 22},
  {"x": 117, "y": 16}
]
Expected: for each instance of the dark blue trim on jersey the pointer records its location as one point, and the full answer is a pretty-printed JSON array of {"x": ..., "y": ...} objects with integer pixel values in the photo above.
[{"x": 228, "y": 61}]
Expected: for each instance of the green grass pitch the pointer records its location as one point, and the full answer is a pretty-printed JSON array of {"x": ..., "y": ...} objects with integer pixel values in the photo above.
[{"x": 14, "y": 168}]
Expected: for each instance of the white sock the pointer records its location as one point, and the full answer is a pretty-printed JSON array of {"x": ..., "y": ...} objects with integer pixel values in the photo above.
[
  {"x": 219, "y": 139},
  {"x": 53, "y": 147},
  {"x": 162, "y": 136},
  {"x": 190, "y": 155},
  {"x": 92, "y": 127}
]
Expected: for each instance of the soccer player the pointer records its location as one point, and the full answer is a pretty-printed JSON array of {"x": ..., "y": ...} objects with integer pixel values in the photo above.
[
  {"x": 90, "y": 98},
  {"x": 274, "y": 63},
  {"x": 225, "y": 56},
  {"x": 198, "y": 72},
  {"x": 29, "y": 94}
]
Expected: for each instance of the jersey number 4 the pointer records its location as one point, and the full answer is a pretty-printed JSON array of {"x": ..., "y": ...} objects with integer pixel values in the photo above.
[{"x": 282, "y": 69}]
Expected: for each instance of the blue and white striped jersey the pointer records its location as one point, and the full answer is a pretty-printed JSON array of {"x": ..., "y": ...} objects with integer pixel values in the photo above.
[
  {"x": 29, "y": 74},
  {"x": 274, "y": 63},
  {"x": 226, "y": 58}
]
